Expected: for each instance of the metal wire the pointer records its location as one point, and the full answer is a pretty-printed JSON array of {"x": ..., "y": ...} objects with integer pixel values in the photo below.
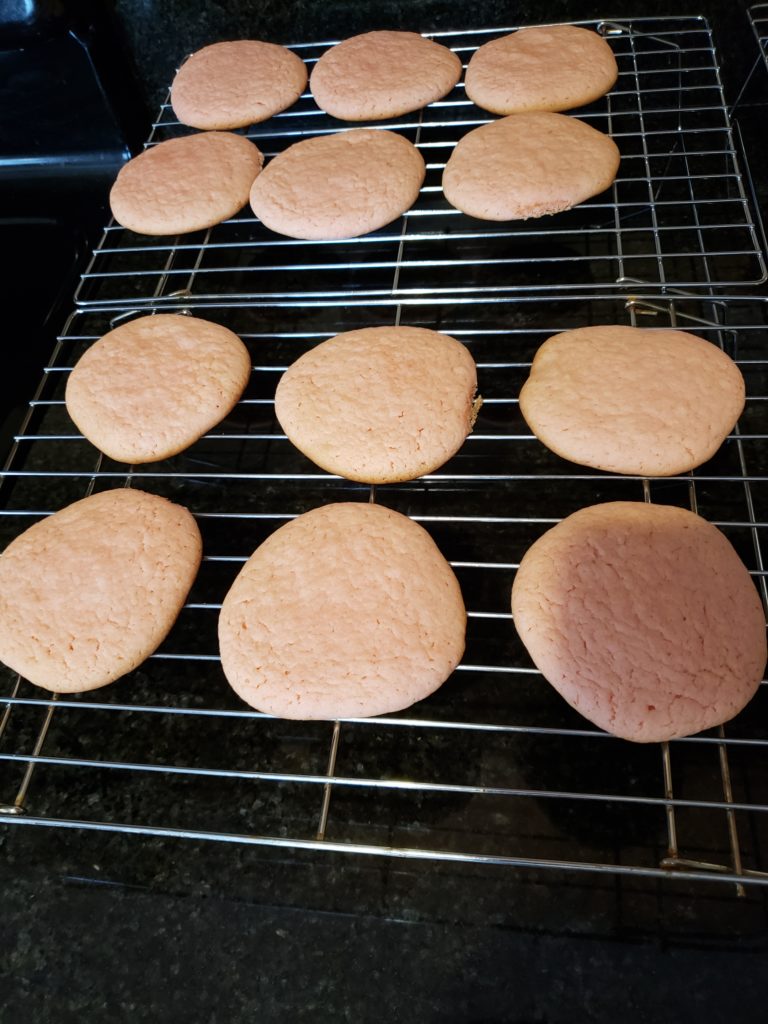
[{"x": 678, "y": 213}]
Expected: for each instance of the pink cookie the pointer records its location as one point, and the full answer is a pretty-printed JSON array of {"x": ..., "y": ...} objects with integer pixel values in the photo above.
[
  {"x": 643, "y": 618},
  {"x": 348, "y": 610}
]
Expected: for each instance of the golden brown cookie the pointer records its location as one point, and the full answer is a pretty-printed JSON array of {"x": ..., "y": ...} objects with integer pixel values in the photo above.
[
  {"x": 151, "y": 387},
  {"x": 234, "y": 84},
  {"x": 643, "y": 618},
  {"x": 339, "y": 186},
  {"x": 185, "y": 184},
  {"x": 631, "y": 399},
  {"x": 90, "y": 592},
  {"x": 383, "y": 74},
  {"x": 348, "y": 610},
  {"x": 380, "y": 404},
  {"x": 529, "y": 165},
  {"x": 552, "y": 67}
]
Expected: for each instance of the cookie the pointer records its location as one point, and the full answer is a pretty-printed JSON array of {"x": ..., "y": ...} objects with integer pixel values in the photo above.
[
  {"x": 643, "y": 618},
  {"x": 234, "y": 84},
  {"x": 153, "y": 386},
  {"x": 90, "y": 592},
  {"x": 383, "y": 74},
  {"x": 339, "y": 186},
  {"x": 348, "y": 610},
  {"x": 380, "y": 404},
  {"x": 528, "y": 165},
  {"x": 554, "y": 67},
  {"x": 631, "y": 399},
  {"x": 185, "y": 184}
]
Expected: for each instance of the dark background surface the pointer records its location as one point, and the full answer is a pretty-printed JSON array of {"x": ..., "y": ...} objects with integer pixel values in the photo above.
[{"x": 96, "y": 928}]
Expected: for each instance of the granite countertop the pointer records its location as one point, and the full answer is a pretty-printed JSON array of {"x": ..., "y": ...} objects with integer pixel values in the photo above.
[{"x": 103, "y": 927}]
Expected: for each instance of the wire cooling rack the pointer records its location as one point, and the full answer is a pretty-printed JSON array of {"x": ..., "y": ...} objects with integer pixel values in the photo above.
[
  {"x": 679, "y": 214},
  {"x": 494, "y": 767}
]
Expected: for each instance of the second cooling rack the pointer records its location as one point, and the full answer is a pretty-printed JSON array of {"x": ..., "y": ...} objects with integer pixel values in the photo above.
[{"x": 680, "y": 213}]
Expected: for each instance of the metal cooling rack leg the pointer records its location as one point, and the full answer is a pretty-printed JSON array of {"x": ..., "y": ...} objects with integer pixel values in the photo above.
[
  {"x": 733, "y": 832},
  {"x": 647, "y": 165},
  {"x": 622, "y": 279},
  {"x": 168, "y": 264},
  {"x": 758, "y": 19},
  {"x": 403, "y": 233},
  {"x": 323, "y": 823},
  {"x": 6, "y": 808},
  {"x": 21, "y": 796},
  {"x": 16, "y": 807},
  {"x": 672, "y": 851},
  {"x": 722, "y": 749},
  {"x": 666, "y": 759},
  {"x": 616, "y": 214},
  {"x": 18, "y": 804},
  {"x": 7, "y": 713},
  {"x": 186, "y": 291},
  {"x": 756, "y": 226},
  {"x": 747, "y": 80},
  {"x": 673, "y": 859}
]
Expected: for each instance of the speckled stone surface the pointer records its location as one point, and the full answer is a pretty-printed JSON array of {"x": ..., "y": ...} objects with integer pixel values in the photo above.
[
  {"x": 103, "y": 929},
  {"x": 100, "y": 953}
]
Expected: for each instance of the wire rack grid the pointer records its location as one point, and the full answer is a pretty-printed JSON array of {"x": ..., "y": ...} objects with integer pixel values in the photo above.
[
  {"x": 680, "y": 213},
  {"x": 494, "y": 768}
]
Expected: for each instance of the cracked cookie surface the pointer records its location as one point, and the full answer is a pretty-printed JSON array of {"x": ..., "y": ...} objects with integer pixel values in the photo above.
[
  {"x": 348, "y": 610},
  {"x": 234, "y": 84},
  {"x": 643, "y": 618},
  {"x": 383, "y": 74},
  {"x": 339, "y": 186},
  {"x": 380, "y": 404},
  {"x": 529, "y": 165},
  {"x": 631, "y": 399},
  {"x": 185, "y": 184},
  {"x": 90, "y": 592},
  {"x": 554, "y": 67},
  {"x": 151, "y": 387}
]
